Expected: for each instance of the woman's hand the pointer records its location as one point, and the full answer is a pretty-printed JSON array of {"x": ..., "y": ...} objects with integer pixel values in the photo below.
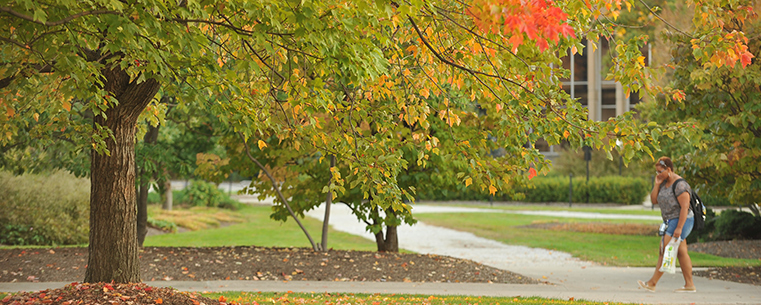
[
  {"x": 659, "y": 179},
  {"x": 677, "y": 233}
]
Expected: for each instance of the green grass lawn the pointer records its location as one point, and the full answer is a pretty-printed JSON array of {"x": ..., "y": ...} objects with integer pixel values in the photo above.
[
  {"x": 348, "y": 298},
  {"x": 245, "y": 298},
  {"x": 258, "y": 229},
  {"x": 607, "y": 249}
]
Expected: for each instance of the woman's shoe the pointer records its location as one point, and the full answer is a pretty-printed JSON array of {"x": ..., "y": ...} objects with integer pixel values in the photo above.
[
  {"x": 685, "y": 289},
  {"x": 645, "y": 286}
]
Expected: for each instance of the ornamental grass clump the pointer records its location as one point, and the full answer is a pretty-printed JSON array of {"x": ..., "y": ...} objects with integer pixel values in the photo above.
[{"x": 44, "y": 209}]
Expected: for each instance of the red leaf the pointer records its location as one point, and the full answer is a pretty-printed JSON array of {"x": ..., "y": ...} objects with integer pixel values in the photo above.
[
  {"x": 745, "y": 58},
  {"x": 531, "y": 173},
  {"x": 542, "y": 44}
]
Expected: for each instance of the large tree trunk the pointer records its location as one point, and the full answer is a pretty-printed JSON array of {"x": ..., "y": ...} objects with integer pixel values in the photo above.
[
  {"x": 113, "y": 250},
  {"x": 142, "y": 199}
]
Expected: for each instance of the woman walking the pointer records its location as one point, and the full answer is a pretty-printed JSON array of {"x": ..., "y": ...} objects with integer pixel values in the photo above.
[{"x": 678, "y": 219}]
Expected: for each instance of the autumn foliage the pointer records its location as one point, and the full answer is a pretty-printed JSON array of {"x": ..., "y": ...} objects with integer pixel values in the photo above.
[{"x": 538, "y": 21}]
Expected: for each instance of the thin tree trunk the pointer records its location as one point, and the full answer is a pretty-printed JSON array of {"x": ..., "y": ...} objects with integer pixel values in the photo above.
[
  {"x": 315, "y": 247},
  {"x": 168, "y": 196},
  {"x": 113, "y": 248},
  {"x": 328, "y": 203},
  {"x": 149, "y": 139},
  {"x": 392, "y": 239}
]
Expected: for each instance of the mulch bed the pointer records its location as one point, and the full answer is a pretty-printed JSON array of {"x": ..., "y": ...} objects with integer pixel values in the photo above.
[
  {"x": 257, "y": 263},
  {"x": 113, "y": 294},
  {"x": 748, "y": 249}
]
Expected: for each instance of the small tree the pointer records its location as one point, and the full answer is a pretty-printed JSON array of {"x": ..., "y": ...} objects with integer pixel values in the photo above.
[{"x": 722, "y": 135}]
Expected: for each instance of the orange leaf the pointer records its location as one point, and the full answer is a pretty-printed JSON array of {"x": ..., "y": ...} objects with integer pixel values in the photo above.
[
  {"x": 531, "y": 173},
  {"x": 492, "y": 190},
  {"x": 262, "y": 145},
  {"x": 425, "y": 93},
  {"x": 67, "y": 106},
  {"x": 159, "y": 301}
]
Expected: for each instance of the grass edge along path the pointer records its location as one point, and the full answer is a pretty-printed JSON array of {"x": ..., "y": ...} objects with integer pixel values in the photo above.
[
  {"x": 351, "y": 298},
  {"x": 605, "y": 249},
  {"x": 244, "y": 298}
]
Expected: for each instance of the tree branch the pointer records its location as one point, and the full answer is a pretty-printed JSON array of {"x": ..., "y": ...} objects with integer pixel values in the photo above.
[{"x": 663, "y": 20}]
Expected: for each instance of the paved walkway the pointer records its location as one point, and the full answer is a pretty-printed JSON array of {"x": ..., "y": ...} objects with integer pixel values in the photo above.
[{"x": 569, "y": 277}]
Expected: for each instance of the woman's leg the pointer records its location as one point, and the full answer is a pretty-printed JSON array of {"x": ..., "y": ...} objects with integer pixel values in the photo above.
[
  {"x": 685, "y": 263},
  {"x": 658, "y": 274}
]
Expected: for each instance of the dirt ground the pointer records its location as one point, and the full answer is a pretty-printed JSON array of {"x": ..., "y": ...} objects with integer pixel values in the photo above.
[{"x": 257, "y": 263}]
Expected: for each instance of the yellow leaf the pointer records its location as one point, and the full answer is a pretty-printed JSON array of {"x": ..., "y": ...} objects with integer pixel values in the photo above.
[
  {"x": 406, "y": 72},
  {"x": 67, "y": 106},
  {"x": 262, "y": 145},
  {"x": 424, "y": 92},
  {"x": 36, "y": 116},
  {"x": 641, "y": 60},
  {"x": 492, "y": 190},
  {"x": 468, "y": 182}
]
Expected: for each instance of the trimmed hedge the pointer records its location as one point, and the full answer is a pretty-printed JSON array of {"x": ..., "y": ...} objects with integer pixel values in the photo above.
[
  {"x": 49, "y": 209},
  {"x": 611, "y": 189}
]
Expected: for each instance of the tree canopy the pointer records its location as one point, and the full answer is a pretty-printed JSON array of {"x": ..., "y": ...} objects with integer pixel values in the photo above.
[
  {"x": 361, "y": 80},
  {"x": 722, "y": 143}
]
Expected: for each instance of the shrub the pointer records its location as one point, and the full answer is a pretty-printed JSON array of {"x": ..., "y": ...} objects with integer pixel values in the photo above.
[
  {"x": 735, "y": 224},
  {"x": 202, "y": 193},
  {"x": 612, "y": 189},
  {"x": 48, "y": 209}
]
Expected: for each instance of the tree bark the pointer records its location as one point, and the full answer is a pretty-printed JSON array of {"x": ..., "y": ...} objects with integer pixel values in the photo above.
[
  {"x": 392, "y": 240},
  {"x": 142, "y": 199},
  {"x": 167, "y": 196},
  {"x": 113, "y": 249},
  {"x": 389, "y": 243},
  {"x": 326, "y": 220}
]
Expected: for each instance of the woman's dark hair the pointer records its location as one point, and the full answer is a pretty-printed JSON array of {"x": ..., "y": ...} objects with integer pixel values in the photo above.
[{"x": 665, "y": 162}]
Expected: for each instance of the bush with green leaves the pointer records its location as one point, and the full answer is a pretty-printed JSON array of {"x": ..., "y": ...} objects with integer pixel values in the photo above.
[
  {"x": 44, "y": 209},
  {"x": 202, "y": 193},
  {"x": 612, "y": 189},
  {"x": 736, "y": 224}
]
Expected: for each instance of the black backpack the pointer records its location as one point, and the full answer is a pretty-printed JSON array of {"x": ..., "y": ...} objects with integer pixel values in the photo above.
[{"x": 697, "y": 206}]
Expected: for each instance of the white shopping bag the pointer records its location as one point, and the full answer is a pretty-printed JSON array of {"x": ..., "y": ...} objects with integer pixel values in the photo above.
[{"x": 669, "y": 256}]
